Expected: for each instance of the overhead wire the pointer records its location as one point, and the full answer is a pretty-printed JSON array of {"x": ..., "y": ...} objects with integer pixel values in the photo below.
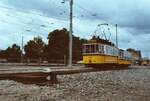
[
  {"x": 22, "y": 10},
  {"x": 23, "y": 23},
  {"x": 96, "y": 15},
  {"x": 86, "y": 10}
]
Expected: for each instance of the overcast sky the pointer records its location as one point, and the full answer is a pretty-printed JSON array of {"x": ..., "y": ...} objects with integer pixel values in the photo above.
[{"x": 30, "y": 18}]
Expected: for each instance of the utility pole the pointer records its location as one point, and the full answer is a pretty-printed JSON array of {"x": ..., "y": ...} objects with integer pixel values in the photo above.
[
  {"x": 147, "y": 54},
  {"x": 70, "y": 32},
  {"x": 70, "y": 35},
  {"x": 22, "y": 49},
  {"x": 116, "y": 35},
  {"x": 117, "y": 41}
]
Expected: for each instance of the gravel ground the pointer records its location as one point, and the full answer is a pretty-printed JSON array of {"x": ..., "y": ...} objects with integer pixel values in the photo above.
[{"x": 118, "y": 85}]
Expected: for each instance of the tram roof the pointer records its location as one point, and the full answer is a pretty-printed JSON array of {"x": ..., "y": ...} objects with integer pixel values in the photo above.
[{"x": 100, "y": 41}]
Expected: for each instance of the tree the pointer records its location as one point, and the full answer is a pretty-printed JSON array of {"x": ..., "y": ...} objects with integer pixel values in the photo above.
[
  {"x": 3, "y": 54},
  {"x": 58, "y": 42},
  {"x": 34, "y": 48},
  {"x": 77, "y": 49},
  {"x": 57, "y": 45},
  {"x": 13, "y": 53}
]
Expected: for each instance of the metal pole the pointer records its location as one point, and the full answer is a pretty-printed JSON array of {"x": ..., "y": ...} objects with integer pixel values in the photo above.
[
  {"x": 117, "y": 42},
  {"x": 116, "y": 36},
  {"x": 22, "y": 50},
  {"x": 70, "y": 33}
]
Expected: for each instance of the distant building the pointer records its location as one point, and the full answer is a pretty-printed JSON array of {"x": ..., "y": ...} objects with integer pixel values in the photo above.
[{"x": 136, "y": 55}]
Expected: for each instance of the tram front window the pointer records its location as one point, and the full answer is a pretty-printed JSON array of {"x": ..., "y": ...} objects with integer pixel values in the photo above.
[
  {"x": 91, "y": 48},
  {"x": 87, "y": 48}
]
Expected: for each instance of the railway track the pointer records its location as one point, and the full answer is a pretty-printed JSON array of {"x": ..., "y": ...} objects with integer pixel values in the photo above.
[{"x": 44, "y": 76}]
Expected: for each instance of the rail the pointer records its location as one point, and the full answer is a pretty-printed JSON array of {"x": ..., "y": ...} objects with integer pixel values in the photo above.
[
  {"x": 49, "y": 74},
  {"x": 46, "y": 74}
]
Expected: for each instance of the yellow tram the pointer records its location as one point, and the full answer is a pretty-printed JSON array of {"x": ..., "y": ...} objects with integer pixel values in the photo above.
[
  {"x": 102, "y": 53},
  {"x": 124, "y": 58},
  {"x": 145, "y": 62}
]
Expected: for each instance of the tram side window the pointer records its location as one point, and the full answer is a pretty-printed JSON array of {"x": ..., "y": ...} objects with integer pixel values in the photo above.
[
  {"x": 121, "y": 54},
  {"x": 101, "y": 49},
  {"x": 92, "y": 49},
  {"x": 96, "y": 49},
  {"x": 116, "y": 52}
]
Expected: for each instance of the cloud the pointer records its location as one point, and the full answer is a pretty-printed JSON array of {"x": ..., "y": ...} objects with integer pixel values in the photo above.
[
  {"x": 49, "y": 8},
  {"x": 133, "y": 15},
  {"x": 38, "y": 17}
]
